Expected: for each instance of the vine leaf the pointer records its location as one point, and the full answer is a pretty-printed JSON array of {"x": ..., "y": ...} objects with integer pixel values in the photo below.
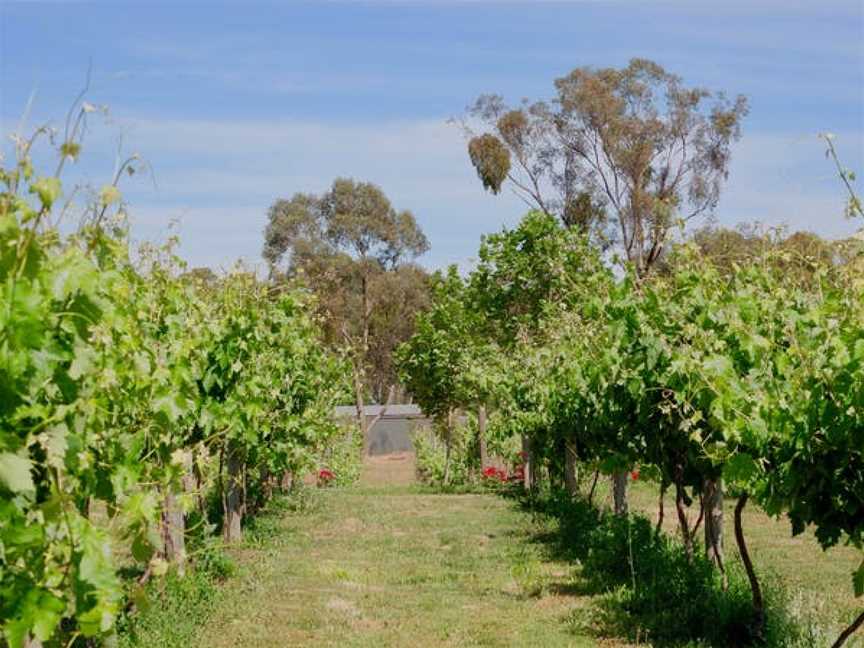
[
  {"x": 740, "y": 468},
  {"x": 15, "y": 473}
]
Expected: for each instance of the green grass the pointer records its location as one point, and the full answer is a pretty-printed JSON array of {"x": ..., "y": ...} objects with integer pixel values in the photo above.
[
  {"x": 404, "y": 566},
  {"x": 173, "y": 611},
  {"x": 819, "y": 578},
  {"x": 817, "y": 583},
  {"x": 398, "y": 567}
]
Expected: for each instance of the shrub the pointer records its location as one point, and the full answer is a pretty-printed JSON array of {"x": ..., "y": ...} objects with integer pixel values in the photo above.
[
  {"x": 577, "y": 520},
  {"x": 431, "y": 457},
  {"x": 341, "y": 461},
  {"x": 654, "y": 592},
  {"x": 622, "y": 551},
  {"x": 170, "y": 612}
]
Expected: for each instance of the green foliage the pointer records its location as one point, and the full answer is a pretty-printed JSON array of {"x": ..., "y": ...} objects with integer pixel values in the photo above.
[
  {"x": 171, "y": 610},
  {"x": 116, "y": 381},
  {"x": 431, "y": 457},
  {"x": 434, "y": 364},
  {"x": 752, "y": 372},
  {"x": 531, "y": 274},
  {"x": 654, "y": 592},
  {"x": 343, "y": 456}
]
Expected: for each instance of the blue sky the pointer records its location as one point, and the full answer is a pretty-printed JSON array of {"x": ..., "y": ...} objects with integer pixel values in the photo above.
[{"x": 236, "y": 104}]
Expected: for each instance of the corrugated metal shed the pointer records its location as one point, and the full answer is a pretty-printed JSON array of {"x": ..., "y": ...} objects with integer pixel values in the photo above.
[{"x": 393, "y": 431}]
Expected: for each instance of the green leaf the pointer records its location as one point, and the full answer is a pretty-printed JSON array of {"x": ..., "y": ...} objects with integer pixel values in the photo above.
[
  {"x": 170, "y": 406},
  {"x": 53, "y": 440},
  {"x": 740, "y": 468},
  {"x": 38, "y": 614},
  {"x": 142, "y": 549},
  {"x": 858, "y": 352},
  {"x": 48, "y": 616},
  {"x": 109, "y": 195},
  {"x": 83, "y": 361},
  {"x": 717, "y": 365},
  {"x": 15, "y": 472},
  {"x": 48, "y": 190}
]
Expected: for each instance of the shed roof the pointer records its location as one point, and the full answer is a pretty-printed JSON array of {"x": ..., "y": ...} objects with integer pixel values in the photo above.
[{"x": 394, "y": 411}]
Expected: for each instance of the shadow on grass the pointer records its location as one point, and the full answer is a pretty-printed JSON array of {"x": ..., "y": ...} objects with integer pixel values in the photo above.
[{"x": 645, "y": 588}]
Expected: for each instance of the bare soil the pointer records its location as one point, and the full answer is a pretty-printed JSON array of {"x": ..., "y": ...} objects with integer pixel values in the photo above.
[{"x": 397, "y": 469}]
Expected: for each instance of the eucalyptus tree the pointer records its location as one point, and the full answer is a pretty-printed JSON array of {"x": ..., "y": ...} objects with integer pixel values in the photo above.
[
  {"x": 350, "y": 245},
  {"x": 624, "y": 153},
  {"x": 399, "y": 295}
]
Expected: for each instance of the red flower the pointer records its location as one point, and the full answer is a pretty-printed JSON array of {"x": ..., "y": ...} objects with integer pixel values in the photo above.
[
  {"x": 490, "y": 472},
  {"x": 635, "y": 475},
  {"x": 325, "y": 475}
]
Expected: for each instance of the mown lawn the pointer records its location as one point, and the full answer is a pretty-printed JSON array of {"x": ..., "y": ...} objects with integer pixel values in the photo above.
[{"x": 393, "y": 566}]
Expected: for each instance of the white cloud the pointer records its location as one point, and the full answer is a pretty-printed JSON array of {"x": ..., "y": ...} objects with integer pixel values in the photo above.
[
  {"x": 785, "y": 179},
  {"x": 220, "y": 177},
  {"x": 421, "y": 165},
  {"x": 209, "y": 236}
]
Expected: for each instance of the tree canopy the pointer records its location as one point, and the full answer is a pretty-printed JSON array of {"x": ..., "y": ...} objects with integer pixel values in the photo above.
[
  {"x": 621, "y": 154},
  {"x": 354, "y": 250}
]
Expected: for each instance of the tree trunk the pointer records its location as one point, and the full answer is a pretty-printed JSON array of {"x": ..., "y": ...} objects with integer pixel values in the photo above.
[
  {"x": 366, "y": 309},
  {"x": 174, "y": 520},
  {"x": 360, "y": 409},
  {"x": 571, "y": 477},
  {"x": 448, "y": 441},
  {"x": 848, "y": 632},
  {"x": 758, "y": 602},
  {"x": 619, "y": 492},
  {"x": 360, "y": 358},
  {"x": 286, "y": 481},
  {"x": 32, "y": 642},
  {"x": 593, "y": 487},
  {"x": 527, "y": 464},
  {"x": 712, "y": 500},
  {"x": 198, "y": 489},
  {"x": 660, "y": 508},
  {"x": 266, "y": 487},
  {"x": 481, "y": 435},
  {"x": 233, "y": 499},
  {"x": 173, "y": 532},
  {"x": 536, "y": 470},
  {"x": 683, "y": 522}
]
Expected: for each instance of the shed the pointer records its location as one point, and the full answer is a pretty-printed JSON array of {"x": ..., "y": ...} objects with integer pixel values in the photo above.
[{"x": 394, "y": 429}]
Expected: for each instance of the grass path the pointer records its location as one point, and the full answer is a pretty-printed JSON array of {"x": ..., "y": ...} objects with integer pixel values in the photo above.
[
  {"x": 390, "y": 563},
  {"x": 392, "y": 566}
]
